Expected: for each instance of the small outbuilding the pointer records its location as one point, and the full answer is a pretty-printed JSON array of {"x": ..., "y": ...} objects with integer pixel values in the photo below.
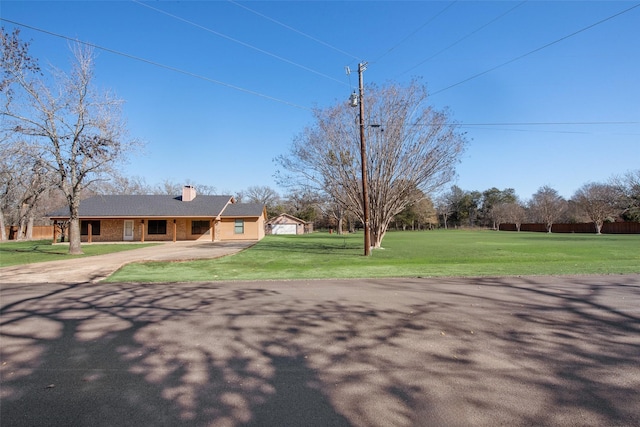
[{"x": 288, "y": 224}]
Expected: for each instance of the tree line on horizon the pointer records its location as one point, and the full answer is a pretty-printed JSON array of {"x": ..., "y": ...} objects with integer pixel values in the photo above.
[{"x": 618, "y": 199}]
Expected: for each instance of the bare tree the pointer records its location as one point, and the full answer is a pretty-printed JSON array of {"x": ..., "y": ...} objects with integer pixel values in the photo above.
[
  {"x": 517, "y": 214},
  {"x": 493, "y": 197},
  {"x": 171, "y": 188},
  {"x": 443, "y": 208},
  {"x": 547, "y": 206},
  {"x": 508, "y": 212},
  {"x": 599, "y": 202},
  {"x": 411, "y": 145},
  {"x": 335, "y": 214},
  {"x": 78, "y": 131},
  {"x": 120, "y": 184},
  {"x": 205, "y": 189},
  {"x": 499, "y": 214},
  {"x": 262, "y": 194},
  {"x": 629, "y": 185},
  {"x": 303, "y": 203},
  {"x": 25, "y": 188},
  {"x": 168, "y": 188}
]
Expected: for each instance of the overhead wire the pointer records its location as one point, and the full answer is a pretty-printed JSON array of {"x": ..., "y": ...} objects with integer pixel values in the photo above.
[
  {"x": 548, "y": 123},
  {"x": 465, "y": 37},
  {"x": 588, "y": 27},
  {"x": 291, "y": 62},
  {"x": 157, "y": 64},
  {"x": 219, "y": 34},
  {"x": 295, "y": 30},
  {"x": 430, "y": 20},
  {"x": 483, "y": 126}
]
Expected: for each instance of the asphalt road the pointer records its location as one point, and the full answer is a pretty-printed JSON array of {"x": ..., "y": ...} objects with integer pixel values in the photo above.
[{"x": 528, "y": 351}]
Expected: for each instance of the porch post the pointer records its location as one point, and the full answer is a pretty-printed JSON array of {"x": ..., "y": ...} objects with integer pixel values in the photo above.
[
  {"x": 212, "y": 224},
  {"x": 174, "y": 231},
  {"x": 89, "y": 230},
  {"x": 142, "y": 229},
  {"x": 55, "y": 231}
]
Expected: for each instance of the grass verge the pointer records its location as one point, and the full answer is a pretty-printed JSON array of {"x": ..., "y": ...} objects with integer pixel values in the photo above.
[
  {"x": 406, "y": 254},
  {"x": 28, "y": 252}
]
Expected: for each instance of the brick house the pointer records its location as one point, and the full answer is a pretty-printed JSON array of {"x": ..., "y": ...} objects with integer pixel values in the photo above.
[{"x": 143, "y": 218}]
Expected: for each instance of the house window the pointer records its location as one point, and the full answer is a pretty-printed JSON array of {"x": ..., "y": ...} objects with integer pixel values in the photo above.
[
  {"x": 157, "y": 226},
  {"x": 239, "y": 228},
  {"x": 84, "y": 228},
  {"x": 199, "y": 227}
]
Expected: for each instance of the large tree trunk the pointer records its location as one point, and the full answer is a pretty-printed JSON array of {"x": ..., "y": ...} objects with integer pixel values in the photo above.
[
  {"x": 377, "y": 234},
  {"x": 74, "y": 228},
  {"x": 3, "y": 231},
  {"x": 74, "y": 237},
  {"x": 22, "y": 228},
  {"x": 598, "y": 227},
  {"x": 29, "y": 231}
]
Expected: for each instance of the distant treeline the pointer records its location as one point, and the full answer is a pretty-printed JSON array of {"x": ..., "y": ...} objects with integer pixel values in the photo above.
[{"x": 583, "y": 227}]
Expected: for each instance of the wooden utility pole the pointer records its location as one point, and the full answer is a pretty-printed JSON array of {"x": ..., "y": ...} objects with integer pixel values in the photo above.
[{"x": 363, "y": 154}]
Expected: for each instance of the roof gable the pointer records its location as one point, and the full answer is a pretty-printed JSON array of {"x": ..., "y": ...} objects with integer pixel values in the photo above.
[
  {"x": 243, "y": 210},
  {"x": 286, "y": 219}
]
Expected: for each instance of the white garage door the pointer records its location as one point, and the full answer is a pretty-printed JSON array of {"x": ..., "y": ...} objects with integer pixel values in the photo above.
[{"x": 284, "y": 229}]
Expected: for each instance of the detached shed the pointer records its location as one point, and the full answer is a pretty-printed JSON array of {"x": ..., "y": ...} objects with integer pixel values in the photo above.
[{"x": 288, "y": 224}]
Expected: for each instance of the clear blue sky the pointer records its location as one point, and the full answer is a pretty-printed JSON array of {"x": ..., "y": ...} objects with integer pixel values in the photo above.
[{"x": 253, "y": 70}]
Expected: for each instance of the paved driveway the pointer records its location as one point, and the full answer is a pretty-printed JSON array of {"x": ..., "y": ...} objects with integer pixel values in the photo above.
[
  {"x": 96, "y": 268},
  {"x": 527, "y": 351}
]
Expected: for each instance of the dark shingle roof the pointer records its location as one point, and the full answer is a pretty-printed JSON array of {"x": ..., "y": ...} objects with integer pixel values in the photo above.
[
  {"x": 243, "y": 210},
  {"x": 119, "y": 206}
]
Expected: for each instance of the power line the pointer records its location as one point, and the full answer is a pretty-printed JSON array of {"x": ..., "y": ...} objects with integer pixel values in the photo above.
[
  {"x": 433, "y": 18},
  {"x": 159, "y": 65},
  {"x": 483, "y": 126},
  {"x": 547, "y": 123},
  {"x": 537, "y": 49},
  {"x": 295, "y": 30},
  {"x": 465, "y": 37},
  {"x": 224, "y": 36},
  {"x": 543, "y": 131}
]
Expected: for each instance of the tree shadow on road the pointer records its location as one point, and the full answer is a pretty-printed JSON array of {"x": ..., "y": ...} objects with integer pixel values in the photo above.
[{"x": 389, "y": 353}]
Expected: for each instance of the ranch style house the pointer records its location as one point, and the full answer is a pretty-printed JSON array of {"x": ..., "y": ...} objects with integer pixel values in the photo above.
[{"x": 143, "y": 218}]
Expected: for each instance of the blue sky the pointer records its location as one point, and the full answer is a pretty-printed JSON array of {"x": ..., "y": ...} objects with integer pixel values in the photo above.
[{"x": 542, "y": 102}]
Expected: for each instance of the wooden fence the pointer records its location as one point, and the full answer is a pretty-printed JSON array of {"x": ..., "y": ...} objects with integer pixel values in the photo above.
[
  {"x": 39, "y": 232},
  {"x": 585, "y": 227}
]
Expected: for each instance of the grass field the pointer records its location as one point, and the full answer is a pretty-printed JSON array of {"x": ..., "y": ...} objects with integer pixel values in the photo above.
[
  {"x": 406, "y": 254},
  {"x": 27, "y": 252}
]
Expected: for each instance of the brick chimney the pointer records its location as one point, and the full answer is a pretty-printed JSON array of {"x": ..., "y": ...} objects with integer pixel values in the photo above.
[{"x": 188, "y": 193}]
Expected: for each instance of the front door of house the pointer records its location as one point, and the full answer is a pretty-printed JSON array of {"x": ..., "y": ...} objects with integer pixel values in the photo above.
[{"x": 128, "y": 230}]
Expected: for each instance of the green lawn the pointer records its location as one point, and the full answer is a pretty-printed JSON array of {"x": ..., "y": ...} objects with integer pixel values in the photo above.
[
  {"x": 27, "y": 252},
  {"x": 406, "y": 254}
]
